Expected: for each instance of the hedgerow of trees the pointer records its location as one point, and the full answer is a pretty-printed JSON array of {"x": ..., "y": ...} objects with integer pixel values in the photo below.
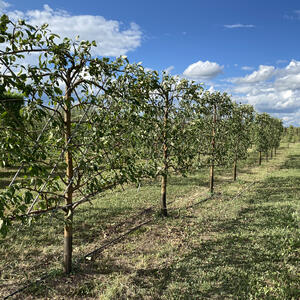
[{"x": 84, "y": 124}]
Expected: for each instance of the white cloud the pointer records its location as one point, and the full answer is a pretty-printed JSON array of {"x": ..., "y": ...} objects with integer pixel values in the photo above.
[
  {"x": 294, "y": 15},
  {"x": 233, "y": 26},
  {"x": 112, "y": 39},
  {"x": 169, "y": 69},
  {"x": 281, "y": 61},
  {"x": 211, "y": 89},
  {"x": 288, "y": 82},
  {"x": 293, "y": 67},
  {"x": 247, "y": 68},
  {"x": 3, "y": 6},
  {"x": 203, "y": 70},
  {"x": 272, "y": 90},
  {"x": 262, "y": 74}
]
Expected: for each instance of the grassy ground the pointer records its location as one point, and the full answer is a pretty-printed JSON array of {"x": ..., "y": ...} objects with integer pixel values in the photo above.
[{"x": 241, "y": 244}]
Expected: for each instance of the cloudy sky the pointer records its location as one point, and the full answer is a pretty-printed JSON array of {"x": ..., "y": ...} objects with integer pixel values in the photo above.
[{"x": 248, "y": 48}]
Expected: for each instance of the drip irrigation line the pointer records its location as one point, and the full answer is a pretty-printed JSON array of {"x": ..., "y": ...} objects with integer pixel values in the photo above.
[
  {"x": 115, "y": 240},
  {"x": 27, "y": 286}
]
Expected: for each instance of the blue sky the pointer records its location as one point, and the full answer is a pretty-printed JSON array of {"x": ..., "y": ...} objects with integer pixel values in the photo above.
[{"x": 250, "y": 49}]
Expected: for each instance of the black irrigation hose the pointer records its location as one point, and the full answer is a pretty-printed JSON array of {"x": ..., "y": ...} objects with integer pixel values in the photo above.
[
  {"x": 27, "y": 286},
  {"x": 85, "y": 257},
  {"x": 114, "y": 241},
  {"x": 122, "y": 236},
  {"x": 103, "y": 247},
  {"x": 132, "y": 218}
]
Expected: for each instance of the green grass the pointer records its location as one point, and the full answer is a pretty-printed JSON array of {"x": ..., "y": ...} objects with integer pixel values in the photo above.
[{"x": 228, "y": 247}]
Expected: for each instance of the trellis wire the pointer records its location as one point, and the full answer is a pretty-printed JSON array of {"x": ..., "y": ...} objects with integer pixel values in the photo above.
[{"x": 56, "y": 164}]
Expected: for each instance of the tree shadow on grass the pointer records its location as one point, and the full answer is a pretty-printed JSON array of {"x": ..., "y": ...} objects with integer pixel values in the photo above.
[
  {"x": 251, "y": 255},
  {"x": 188, "y": 181},
  {"x": 293, "y": 162}
]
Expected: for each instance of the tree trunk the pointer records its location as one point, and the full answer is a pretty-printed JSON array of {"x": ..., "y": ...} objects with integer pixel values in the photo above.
[
  {"x": 163, "y": 202},
  {"x": 275, "y": 151},
  {"x": 234, "y": 169},
  {"x": 271, "y": 153},
  {"x": 213, "y": 144},
  {"x": 259, "y": 160},
  {"x": 267, "y": 156},
  {"x": 68, "y": 234},
  {"x": 211, "y": 179},
  {"x": 164, "y": 210}
]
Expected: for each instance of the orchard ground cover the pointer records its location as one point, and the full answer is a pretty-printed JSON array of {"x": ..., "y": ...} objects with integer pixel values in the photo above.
[{"x": 243, "y": 243}]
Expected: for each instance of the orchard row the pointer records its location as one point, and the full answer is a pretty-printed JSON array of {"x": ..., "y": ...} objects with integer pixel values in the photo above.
[{"x": 76, "y": 125}]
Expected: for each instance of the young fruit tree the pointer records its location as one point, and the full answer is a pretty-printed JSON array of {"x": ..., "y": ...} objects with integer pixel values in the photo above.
[
  {"x": 290, "y": 134},
  {"x": 84, "y": 111},
  {"x": 242, "y": 117},
  {"x": 262, "y": 134},
  {"x": 212, "y": 127},
  {"x": 277, "y": 130},
  {"x": 168, "y": 147}
]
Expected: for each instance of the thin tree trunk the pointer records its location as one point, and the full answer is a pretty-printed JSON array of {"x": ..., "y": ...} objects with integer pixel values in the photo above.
[
  {"x": 234, "y": 169},
  {"x": 211, "y": 180},
  {"x": 213, "y": 144},
  {"x": 164, "y": 210},
  {"x": 271, "y": 153},
  {"x": 163, "y": 202},
  {"x": 68, "y": 234},
  {"x": 275, "y": 151},
  {"x": 259, "y": 160},
  {"x": 267, "y": 156}
]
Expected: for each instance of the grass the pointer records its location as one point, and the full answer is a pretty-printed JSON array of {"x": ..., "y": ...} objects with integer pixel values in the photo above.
[{"x": 241, "y": 244}]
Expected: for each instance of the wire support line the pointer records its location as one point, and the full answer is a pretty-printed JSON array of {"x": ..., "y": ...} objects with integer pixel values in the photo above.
[
  {"x": 35, "y": 147},
  {"x": 56, "y": 164}
]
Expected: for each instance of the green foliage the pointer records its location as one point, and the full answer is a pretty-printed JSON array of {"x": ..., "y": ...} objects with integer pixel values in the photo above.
[
  {"x": 267, "y": 132},
  {"x": 291, "y": 134},
  {"x": 257, "y": 234},
  {"x": 10, "y": 106},
  {"x": 81, "y": 114},
  {"x": 168, "y": 136},
  {"x": 91, "y": 124},
  {"x": 241, "y": 120},
  {"x": 212, "y": 128},
  {"x": 262, "y": 133},
  {"x": 11, "y": 127}
]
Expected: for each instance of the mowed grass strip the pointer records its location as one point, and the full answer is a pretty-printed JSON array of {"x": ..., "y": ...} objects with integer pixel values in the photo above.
[{"x": 229, "y": 247}]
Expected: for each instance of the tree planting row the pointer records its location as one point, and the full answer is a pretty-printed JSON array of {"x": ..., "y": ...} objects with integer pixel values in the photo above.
[{"x": 76, "y": 125}]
